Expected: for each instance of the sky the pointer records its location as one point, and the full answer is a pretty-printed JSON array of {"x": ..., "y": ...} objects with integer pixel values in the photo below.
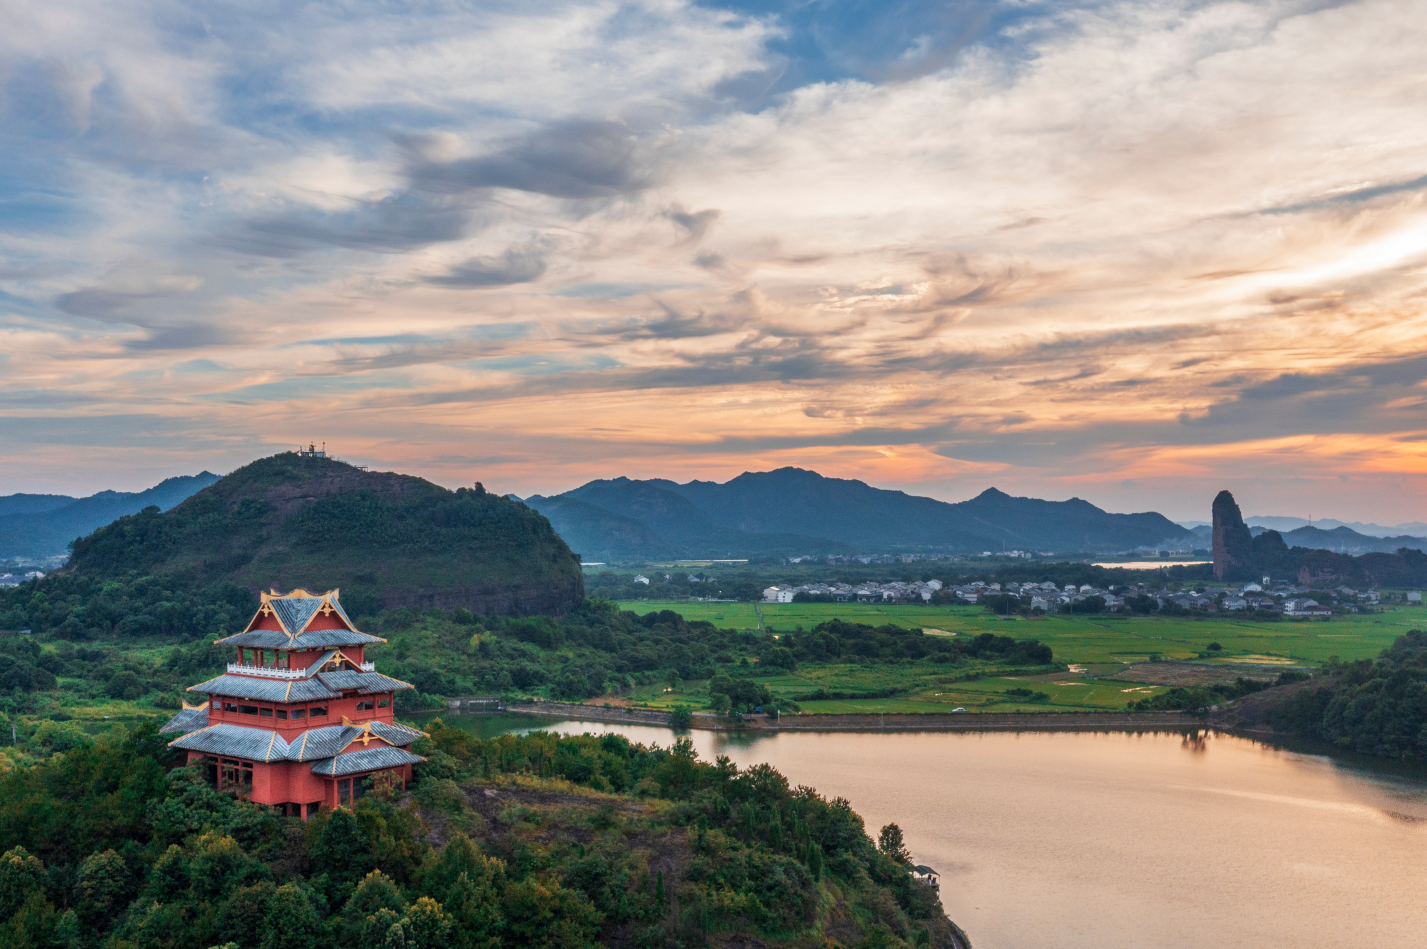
[{"x": 1129, "y": 252}]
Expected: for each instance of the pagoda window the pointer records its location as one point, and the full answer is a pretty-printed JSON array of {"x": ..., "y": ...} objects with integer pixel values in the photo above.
[
  {"x": 282, "y": 660},
  {"x": 217, "y": 705},
  {"x": 318, "y": 711},
  {"x": 344, "y": 791},
  {"x": 366, "y": 706},
  {"x": 269, "y": 660},
  {"x": 282, "y": 714},
  {"x": 265, "y": 713},
  {"x": 299, "y": 713},
  {"x": 247, "y": 710},
  {"x": 230, "y": 706},
  {"x": 384, "y": 703}
]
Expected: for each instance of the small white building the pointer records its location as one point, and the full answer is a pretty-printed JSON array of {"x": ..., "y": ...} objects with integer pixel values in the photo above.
[
  {"x": 641, "y": 579},
  {"x": 1415, "y": 596},
  {"x": 778, "y": 595}
]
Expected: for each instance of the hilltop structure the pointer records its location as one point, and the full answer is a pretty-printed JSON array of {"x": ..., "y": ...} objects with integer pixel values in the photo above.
[{"x": 302, "y": 719}]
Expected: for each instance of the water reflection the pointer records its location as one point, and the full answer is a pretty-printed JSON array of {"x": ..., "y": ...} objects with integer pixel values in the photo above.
[{"x": 1170, "y": 839}]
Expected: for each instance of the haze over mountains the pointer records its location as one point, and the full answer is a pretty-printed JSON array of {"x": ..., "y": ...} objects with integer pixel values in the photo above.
[
  {"x": 793, "y": 511},
  {"x": 43, "y": 525}
]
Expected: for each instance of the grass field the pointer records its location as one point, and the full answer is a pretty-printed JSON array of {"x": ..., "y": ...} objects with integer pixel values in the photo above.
[
  {"x": 925, "y": 687},
  {"x": 1104, "y": 638}
]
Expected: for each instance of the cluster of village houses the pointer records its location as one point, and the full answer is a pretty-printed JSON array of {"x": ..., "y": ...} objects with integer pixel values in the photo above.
[
  {"x": 1050, "y": 598},
  {"x": 15, "y": 579}
]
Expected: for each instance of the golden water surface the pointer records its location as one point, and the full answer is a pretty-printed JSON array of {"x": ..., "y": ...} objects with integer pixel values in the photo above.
[{"x": 1119, "y": 841}]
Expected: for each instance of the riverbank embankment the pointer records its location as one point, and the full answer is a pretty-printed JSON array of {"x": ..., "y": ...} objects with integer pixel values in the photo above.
[{"x": 960, "y": 721}]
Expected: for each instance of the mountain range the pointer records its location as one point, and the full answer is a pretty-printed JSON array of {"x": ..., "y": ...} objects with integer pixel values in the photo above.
[
  {"x": 1344, "y": 540},
  {"x": 793, "y": 511},
  {"x": 43, "y": 525},
  {"x": 1286, "y": 524}
]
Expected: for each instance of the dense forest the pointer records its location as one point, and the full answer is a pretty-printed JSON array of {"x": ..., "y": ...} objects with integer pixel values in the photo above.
[
  {"x": 533, "y": 842},
  {"x": 1374, "y": 707}
]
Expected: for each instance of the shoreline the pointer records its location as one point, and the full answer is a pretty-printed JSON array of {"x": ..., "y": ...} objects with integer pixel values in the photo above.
[{"x": 899, "y": 721}]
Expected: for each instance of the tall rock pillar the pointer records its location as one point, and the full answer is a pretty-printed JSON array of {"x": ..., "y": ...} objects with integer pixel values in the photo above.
[{"x": 1233, "y": 541}]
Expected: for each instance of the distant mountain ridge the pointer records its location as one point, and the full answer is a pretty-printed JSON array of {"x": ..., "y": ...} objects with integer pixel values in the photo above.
[
  {"x": 1346, "y": 540},
  {"x": 795, "y": 511},
  {"x": 1286, "y": 524},
  {"x": 43, "y": 525}
]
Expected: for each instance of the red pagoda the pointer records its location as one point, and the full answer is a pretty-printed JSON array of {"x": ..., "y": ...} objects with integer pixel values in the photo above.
[{"x": 302, "y": 719}]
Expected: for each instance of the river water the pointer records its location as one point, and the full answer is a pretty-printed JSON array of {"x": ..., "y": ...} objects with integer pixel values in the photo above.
[{"x": 1121, "y": 841}]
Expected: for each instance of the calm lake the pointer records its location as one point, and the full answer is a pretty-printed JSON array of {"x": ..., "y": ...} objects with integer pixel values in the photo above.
[{"x": 1118, "y": 841}]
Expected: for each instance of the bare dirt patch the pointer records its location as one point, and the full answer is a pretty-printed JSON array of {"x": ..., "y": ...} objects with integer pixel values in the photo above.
[{"x": 1185, "y": 674}]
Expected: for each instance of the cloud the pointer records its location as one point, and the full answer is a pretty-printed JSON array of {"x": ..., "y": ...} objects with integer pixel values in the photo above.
[
  {"x": 516, "y": 265},
  {"x": 577, "y": 158}
]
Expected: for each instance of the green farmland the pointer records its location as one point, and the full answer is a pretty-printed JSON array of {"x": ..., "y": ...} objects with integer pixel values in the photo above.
[
  {"x": 1099, "y": 647},
  {"x": 1102, "y": 638}
]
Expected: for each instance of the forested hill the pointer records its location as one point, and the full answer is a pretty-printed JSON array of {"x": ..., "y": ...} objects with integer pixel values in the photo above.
[
  {"x": 387, "y": 540},
  {"x": 793, "y": 511},
  {"x": 43, "y": 525},
  {"x": 516, "y": 842}
]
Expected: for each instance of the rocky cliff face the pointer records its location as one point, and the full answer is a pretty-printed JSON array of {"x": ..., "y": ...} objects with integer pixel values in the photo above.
[{"x": 1233, "y": 541}]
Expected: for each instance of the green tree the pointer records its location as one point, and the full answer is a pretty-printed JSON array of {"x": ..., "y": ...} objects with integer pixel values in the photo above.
[
  {"x": 21, "y": 874},
  {"x": 292, "y": 922},
  {"x": 342, "y": 850},
  {"x": 541, "y": 914},
  {"x": 889, "y": 841},
  {"x": 425, "y": 926},
  {"x": 99, "y": 892},
  {"x": 681, "y": 718},
  {"x": 33, "y": 925}
]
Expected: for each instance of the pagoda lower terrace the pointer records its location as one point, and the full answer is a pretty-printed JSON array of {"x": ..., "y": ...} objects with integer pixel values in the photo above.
[{"x": 302, "y": 720}]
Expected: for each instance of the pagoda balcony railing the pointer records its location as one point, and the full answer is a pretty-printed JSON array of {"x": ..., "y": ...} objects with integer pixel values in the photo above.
[{"x": 267, "y": 672}]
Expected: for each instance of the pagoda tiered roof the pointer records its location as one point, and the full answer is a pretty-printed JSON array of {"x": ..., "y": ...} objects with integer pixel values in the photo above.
[
  {"x": 191, "y": 718},
  {"x": 319, "y": 685},
  {"x": 315, "y": 744},
  {"x": 294, "y": 613}
]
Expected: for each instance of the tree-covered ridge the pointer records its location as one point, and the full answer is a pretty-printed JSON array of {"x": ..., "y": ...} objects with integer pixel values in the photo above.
[
  {"x": 1372, "y": 707},
  {"x": 385, "y": 539},
  {"x": 517, "y": 842}
]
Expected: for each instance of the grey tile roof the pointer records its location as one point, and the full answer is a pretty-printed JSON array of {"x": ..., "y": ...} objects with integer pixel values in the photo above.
[
  {"x": 267, "y": 690},
  {"x": 237, "y": 741},
  {"x": 313, "y": 638},
  {"x": 186, "y": 721},
  {"x": 322, "y": 742},
  {"x": 335, "y": 637},
  {"x": 261, "y": 744},
  {"x": 294, "y": 613},
  {"x": 367, "y": 683},
  {"x": 368, "y": 759},
  {"x": 397, "y": 734},
  {"x": 321, "y": 685}
]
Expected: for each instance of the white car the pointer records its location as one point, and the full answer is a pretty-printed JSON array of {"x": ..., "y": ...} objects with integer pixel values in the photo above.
[{"x": 958, "y": 710}]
